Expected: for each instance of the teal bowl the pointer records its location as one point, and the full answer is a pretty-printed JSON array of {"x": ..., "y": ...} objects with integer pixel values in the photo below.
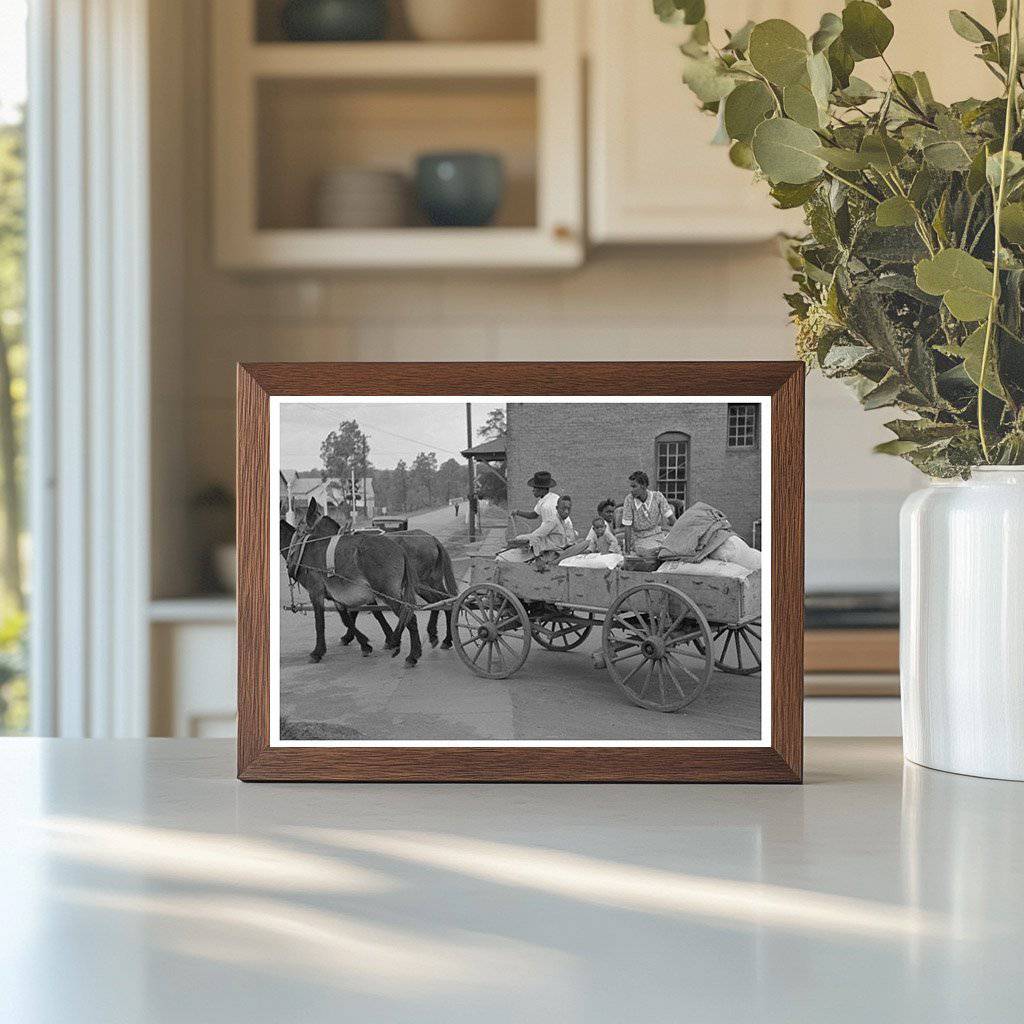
[
  {"x": 462, "y": 190},
  {"x": 334, "y": 21}
]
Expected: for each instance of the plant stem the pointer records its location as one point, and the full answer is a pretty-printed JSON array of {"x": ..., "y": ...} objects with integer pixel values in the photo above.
[
  {"x": 853, "y": 185},
  {"x": 1011, "y": 108}
]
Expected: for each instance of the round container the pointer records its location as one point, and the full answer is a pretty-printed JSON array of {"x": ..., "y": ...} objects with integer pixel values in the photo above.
[
  {"x": 460, "y": 189},
  {"x": 961, "y": 615},
  {"x": 470, "y": 20},
  {"x": 334, "y": 21},
  {"x": 360, "y": 197}
]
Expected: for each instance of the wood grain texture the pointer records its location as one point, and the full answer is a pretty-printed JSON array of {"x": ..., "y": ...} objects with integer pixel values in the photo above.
[{"x": 781, "y": 762}]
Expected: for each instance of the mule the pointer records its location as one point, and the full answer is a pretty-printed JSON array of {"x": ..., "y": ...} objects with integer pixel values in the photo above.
[
  {"x": 433, "y": 571},
  {"x": 347, "y": 618},
  {"x": 353, "y": 572}
]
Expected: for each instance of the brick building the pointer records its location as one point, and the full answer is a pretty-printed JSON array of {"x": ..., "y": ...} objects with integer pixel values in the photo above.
[{"x": 692, "y": 452}]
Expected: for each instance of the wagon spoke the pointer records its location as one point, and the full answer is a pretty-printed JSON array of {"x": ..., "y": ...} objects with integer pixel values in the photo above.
[
  {"x": 622, "y": 657},
  {"x": 753, "y": 650},
  {"x": 480, "y": 650},
  {"x": 661, "y": 681},
  {"x": 684, "y": 638},
  {"x": 503, "y": 643},
  {"x": 473, "y": 612},
  {"x": 633, "y": 672},
  {"x": 650, "y": 676},
  {"x": 490, "y": 657},
  {"x": 736, "y": 643},
  {"x": 682, "y": 668},
  {"x": 497, "y": 650},
  {"x": 672, "y": 678}
]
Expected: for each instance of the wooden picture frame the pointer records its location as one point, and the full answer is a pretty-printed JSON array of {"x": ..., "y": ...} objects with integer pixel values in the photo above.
[{"x": 780, "y": 759}]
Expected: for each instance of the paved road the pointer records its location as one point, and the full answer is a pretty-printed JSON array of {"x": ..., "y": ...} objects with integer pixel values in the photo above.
[{"x": 553, "y": 696}]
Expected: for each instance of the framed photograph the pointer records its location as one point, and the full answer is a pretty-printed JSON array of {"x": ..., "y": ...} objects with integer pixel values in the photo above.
[{"x": 520, "y": 571}]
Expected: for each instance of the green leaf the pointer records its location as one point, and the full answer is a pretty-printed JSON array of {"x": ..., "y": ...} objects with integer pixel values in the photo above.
[
  {"x": 1012, "y": 224},
  {"x": 690, "y": 12},
  {"x": 993, "y": 166},
  {"x": 707, "y": 78},
  {"x": 788, "y": 196},
  {"x": 971, "y": 352},
  {"x": 819, "y": 74},
  {"x": 844, "y": 159},
  {"x": 856, "y": 92},
  {"x": 923, "y": 431},
  {"x": 895, "y": 447},
  {"x": 745, "y": 108},
  {"x": 922, "y": 185},
  {"x": 866, "y": 29},
  {"x": 947, "y": 156},
  {"x": 741, "y": 155},
  {"x": 779, "y": 51},
  {"x": 787, "y": 151},
  {"x": 801, "y": 106},
  {"x": 895, "y": 212},
  {"x": 882, "y": 151},
  {"x": 829, "y": 30},
  {"x": 841, "y": 63},
  {"x": 924, "y": 88},
  {"x": 963, "y": 281},
  {"x": 999, "y": 9},
  {"x": 739, "y": 41},
  {"x": 969, "y": 28},
  {"x": 885, "y": 394},
  {"x": 976, "y": 174}
]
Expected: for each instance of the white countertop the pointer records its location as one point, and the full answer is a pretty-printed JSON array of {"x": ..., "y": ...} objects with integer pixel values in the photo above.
[{"x": 140, "y": 882}]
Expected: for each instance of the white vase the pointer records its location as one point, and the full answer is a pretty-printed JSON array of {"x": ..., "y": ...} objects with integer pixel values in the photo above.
[{"x": 962, "y": 624}]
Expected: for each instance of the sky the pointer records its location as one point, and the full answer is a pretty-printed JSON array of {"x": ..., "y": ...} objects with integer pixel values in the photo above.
[
  {"x": 12, "y": 57},
  {"x": 395, "y": 430}
]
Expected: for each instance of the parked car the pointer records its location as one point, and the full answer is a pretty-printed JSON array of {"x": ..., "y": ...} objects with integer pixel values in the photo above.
[{"x": 390, "y": 524}]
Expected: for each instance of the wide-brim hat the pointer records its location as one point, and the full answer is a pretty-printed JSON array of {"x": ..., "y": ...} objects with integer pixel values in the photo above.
[{"x": 541, "y": 479}]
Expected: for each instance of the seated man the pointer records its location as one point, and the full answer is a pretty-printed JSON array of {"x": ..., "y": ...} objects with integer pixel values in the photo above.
[{"x": 549, "y": 535}]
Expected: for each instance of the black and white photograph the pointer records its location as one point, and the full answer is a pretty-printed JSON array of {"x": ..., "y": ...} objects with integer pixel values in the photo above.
[{"x": 503, "y": 571}]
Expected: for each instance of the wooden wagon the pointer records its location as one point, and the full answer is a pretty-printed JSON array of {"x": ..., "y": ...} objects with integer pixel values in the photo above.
[{"x": 663, "y": 633}]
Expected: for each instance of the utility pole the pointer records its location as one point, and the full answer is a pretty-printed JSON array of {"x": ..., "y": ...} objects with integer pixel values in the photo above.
[{"x": 471, "y": 496}]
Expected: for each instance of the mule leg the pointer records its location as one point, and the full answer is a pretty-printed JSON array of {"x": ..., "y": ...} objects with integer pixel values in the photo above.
[
  {"x": 357, "y": 634},
  {"x": 415, "y": 647},
  {"x": 432, "y": 628},
  {"x": 318, "y": 618},
  {"x": 446, "y": 644},
  {"x": 348, "y": 621},
  {"x": 390, "y": 640}
]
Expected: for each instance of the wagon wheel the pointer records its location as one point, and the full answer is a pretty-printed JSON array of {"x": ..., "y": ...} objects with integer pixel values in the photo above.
[
  {"x": 559, "y": 631},
  {"x": 649, "y": 638},
  {"x": 737, "y": 648},
  {"x": 492, "y": 630}
]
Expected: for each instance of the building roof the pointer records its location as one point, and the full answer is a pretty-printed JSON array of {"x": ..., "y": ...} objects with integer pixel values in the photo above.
[{"x": 494, "y": 449}]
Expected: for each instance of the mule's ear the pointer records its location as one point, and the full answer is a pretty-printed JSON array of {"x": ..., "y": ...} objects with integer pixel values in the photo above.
[{"x": 312, "y": 512}]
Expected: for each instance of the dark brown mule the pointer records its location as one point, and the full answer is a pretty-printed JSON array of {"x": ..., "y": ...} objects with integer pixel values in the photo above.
[
  {"x": 434, "y": 572},
  {"x": 366, "y": 570},
  {"x": 347, "y": 618}
]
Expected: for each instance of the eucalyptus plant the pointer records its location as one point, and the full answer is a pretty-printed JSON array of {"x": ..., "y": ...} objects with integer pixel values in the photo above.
[{"x": 910, "y": 277}]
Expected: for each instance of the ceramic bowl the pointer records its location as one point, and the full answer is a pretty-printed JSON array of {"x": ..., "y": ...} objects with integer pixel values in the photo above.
[
  {"x": 460, "y": 189},
  {"x": 332, "y": 21},
  {"x": 470, "y": 20}
]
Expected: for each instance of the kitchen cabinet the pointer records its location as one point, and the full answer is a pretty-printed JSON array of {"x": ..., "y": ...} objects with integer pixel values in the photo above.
[
  {"x": 288, "y": 114},
  {"x": 653, "y": 175}
]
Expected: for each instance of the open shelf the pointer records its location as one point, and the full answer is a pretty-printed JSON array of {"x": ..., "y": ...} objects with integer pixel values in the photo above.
[
  {"x": 387, "y": 60},
  {"x": 286, "y": 114}
]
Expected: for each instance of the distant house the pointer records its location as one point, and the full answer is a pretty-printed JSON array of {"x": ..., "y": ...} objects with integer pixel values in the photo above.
[
  {"x": 691, "y": 452},
  {"x": 331, "y": 493}
]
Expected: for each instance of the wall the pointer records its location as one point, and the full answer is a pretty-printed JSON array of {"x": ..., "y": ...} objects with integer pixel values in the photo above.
[
  {"x": 645, "y": 303},
  {"x": 592, "y": 449}
]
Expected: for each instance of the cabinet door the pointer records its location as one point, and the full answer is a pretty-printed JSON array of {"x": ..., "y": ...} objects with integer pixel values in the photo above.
[{"x": 654, "y": 176}]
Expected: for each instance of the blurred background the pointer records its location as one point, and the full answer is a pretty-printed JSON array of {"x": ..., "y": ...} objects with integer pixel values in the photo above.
[{"x": 206, "y": 183}]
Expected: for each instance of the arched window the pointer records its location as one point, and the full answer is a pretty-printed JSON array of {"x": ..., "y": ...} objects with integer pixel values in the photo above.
[{"x": 672, "y": 457}]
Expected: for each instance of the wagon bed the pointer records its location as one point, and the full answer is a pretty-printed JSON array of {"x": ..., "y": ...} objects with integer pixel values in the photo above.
[{"x": 662, "y": 633}]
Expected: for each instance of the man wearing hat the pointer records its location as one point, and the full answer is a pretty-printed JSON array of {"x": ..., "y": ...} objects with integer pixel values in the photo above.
[{"x": 549, "y": 534}]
